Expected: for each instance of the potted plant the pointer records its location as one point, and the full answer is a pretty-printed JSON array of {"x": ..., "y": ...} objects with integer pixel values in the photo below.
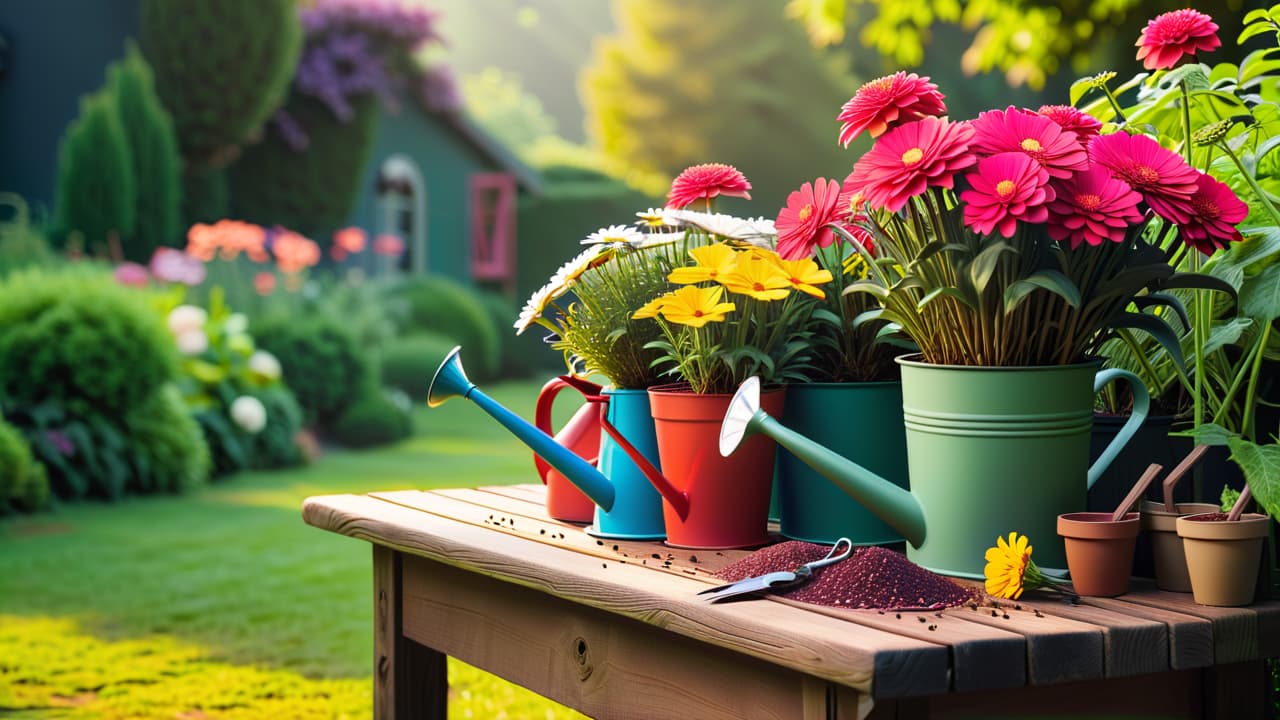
[
  {"x": 1007, "y": 248},
  {"x": 739, "y": 311},
  {"x": 850, "y": 380},
  {"x": 587, "y": 306}
]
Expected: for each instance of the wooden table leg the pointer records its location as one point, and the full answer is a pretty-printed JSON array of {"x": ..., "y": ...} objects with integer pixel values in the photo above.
[{"x": 409, "y": 679}]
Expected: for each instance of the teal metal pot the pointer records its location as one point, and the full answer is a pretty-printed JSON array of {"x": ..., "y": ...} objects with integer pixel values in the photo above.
[{"x": 637, "y": 508}]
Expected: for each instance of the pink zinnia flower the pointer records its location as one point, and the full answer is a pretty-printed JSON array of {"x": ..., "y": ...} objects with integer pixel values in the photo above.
[
  {"x": 802, "y": 224},
  {"x": 131, "y": 274},
  {"x": 1165, "y": 181},
  {"x": 1006, "y": 187},
  {"x": 703, "y": 182},
  {"x": 1084, "y": 125},
  {"x": 1092, "y": 207},
  {"x": 910, "y": 158},
  {"x": 1041, "y": 139},
  {"x": 172, "y": 265},
  {"x": 1215, "y": 210},
  {"x": 883, "y": 103},
  {"x": 1168, "y": 37}
]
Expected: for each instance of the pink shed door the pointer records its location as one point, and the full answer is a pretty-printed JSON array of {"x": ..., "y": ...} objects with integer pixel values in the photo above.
[{"x": 493, "y": 229}]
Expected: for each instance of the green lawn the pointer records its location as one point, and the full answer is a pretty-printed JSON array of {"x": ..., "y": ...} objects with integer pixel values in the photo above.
[{"x": 222, "y": 603}]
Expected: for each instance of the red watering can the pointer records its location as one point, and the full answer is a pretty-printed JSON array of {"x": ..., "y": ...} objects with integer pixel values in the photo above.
[{"x": 581, "y": 435}]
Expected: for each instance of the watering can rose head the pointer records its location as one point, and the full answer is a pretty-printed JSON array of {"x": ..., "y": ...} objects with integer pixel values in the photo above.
[{"x": 1016, "y": 238}]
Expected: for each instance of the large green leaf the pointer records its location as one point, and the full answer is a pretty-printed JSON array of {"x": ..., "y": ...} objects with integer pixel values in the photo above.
[
  {"x": 1157, "y": 329},
  {"x": 1048, "y": 279},
  {"x": 1142, "y": 302},
  {"x": 866, "y": 286},
  {"x": 1225, "y": 334},
  {"x": 954, "y": 293},
  {"x": 1260, "y": 296},
  {"x": 984, "y": 265},
  {"x": 1261, "y": 242},
  {"x": 1209, "y": 434},
  {"x": 1261, "y": 466}
]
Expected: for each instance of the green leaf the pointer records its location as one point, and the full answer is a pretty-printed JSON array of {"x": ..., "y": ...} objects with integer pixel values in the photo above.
[
  {"x": 1197, "y": 281},
  {"x": 1254, "y": 16},
  {"x": 1194, "y": 75},
  {"x": 866, "y": 286},
  {"x": 1079, "y": 88},
  {"x": 982, "y": 267},
  {"x": 1225, "y": 334},
  {"x": 892, "y": 335},
  {"x": 1157, "y": 329},
  {"x": 1048, "y": 279},
  {"x": 1260, "y": 296},
  {"x": 863, "y": 318},
  {"x": 1261, "y": 242},
  {"x": 1210, "y": 434},
  {"x": 1252, "y": 30},
  {"x": 1261, "y": 466},
  {"x": 950, "y": 292},
  {"x": 1142, "y": 302}
]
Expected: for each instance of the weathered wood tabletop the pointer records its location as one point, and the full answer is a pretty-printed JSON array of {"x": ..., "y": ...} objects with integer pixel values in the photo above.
[{"x": 615, "y": 629}]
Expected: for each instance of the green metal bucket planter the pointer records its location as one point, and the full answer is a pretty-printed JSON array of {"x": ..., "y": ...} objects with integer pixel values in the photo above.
[
  {"x": 994, "y": 450},
  {"x": 860, "y": 421}
]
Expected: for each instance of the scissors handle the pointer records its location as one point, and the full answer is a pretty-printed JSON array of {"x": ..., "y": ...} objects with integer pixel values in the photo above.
[{"x": 834, "y": 556}]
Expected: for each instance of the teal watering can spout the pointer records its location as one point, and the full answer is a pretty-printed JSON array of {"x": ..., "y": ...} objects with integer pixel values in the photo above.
[
  {"x": 451, "y": 381},
  {"x": 895, "y": 506}
]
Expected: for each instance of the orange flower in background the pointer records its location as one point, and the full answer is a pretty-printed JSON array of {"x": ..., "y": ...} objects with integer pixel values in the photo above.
[
  {"x": 294, "y": 253},
  {"x": 389, "y": 245},
  {"x": 202, "y": 242},
  {"x": 351, "y": 240},
  {"x": 227, "y": 239},
  {"x": 264, "y": 283}
]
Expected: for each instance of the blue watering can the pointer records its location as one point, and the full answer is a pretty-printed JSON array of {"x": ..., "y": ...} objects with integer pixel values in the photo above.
[{"x": 627, "y": 488}]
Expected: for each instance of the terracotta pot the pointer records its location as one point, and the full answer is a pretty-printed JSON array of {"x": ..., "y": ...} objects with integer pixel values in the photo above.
[
  {"x": 725, "y": 499},
  {"x": 1099, "y": 551},
  {"x": 1166, "y": 546},
  {"x": 1223, "y": 557}
]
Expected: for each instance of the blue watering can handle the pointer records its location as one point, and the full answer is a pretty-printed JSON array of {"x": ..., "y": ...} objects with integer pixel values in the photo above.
[{"x": 1141, "y": 405}]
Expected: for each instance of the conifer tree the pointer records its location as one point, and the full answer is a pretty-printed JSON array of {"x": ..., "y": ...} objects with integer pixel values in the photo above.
[{"x": 97, "y": 193}]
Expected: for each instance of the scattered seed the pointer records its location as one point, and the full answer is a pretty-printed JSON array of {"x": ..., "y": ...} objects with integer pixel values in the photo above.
[
  {"x": 561, "y": 536},
  {"x": 656, "y": 556},
  {"x": 600, "y": 542},
  {"x": 1039, "y": 614},
  {"x": 995, "y": 613},
  {"x": 1017, "y": 607},
  {"x": 615, "y": 548},
  {"x": 921, "y": 619},
  {"x": 604, "y": 565},
  {"x": 1006, "y": 616},
  {"x": 693, "y": 558},
  {"x": 933, "y": 627},
  {"x": 898, "y": 615},
  {"x": 542, "y": 532}
]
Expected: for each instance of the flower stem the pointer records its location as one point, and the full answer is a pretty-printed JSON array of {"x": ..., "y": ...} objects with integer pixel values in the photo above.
[
  {"x": 1253, "y": 184},
  {"x": 1186, "y": 121}
]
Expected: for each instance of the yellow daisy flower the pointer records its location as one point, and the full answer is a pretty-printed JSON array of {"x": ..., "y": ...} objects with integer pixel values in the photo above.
[
  {"x": 695, "y": 306},
  {"x": 1010, "y": 569},
  {"x": 762, "y": 280},
  {"x": 651, "y": 308},
  {"x": 714, "y": 261},
  {"x": 805, "y": 276}
]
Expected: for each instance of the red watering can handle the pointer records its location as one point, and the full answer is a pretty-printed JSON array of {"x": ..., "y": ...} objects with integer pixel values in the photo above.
[{"x": 542, "y": 411}]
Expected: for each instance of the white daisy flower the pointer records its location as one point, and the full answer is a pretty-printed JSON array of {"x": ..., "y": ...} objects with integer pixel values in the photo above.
[
  {"x": 572, "y": 270},
  {"x": 755, "y": 231},
  {"x": 662, "y": 238},
  {"x": 656, "y": 219},
  {"x": 533, "y": 308},
  {"x": 615, "y": 234}
]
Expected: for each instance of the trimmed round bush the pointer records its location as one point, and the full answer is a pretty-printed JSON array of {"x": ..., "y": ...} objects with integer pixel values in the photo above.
[
  {"x": 373, "y": 420},
  {"x": 455, "y": 311},
  {"x": 167, "y": 445},
  {"x": 409, "y": 363},
  {"x": 76, "y": 338},
  {"x": 517, "y": 353},
  {"x": 276, "y": 445},
  {"x": 24, "y": 485},
  {"x": 322, "y": 362}
]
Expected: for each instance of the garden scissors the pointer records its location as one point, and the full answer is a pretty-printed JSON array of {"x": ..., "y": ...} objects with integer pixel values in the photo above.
[{"x": 780, "y": 579}]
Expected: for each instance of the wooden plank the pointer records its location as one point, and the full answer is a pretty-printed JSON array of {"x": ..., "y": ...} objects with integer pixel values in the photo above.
[
  {"x": 1190, "y": 637},
  {"x": 598, "y": 663},
  {"x": 1059, "y": 649},
  {"x": 1173, "y": 695},
  {"x": 534, "y": 493},
  {"x": 1236, "y": 633},
  {"x": 409, "y": 680},
  {"x": 865, "y": 659},
  {"x": 975, "y": 648},
  {"x": 1239, "y": 691}
]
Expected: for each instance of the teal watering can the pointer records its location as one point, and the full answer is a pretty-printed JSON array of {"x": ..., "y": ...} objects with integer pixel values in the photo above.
[
  {"x": 627, "y": 489},
  {"x": 974, "y": 476}
]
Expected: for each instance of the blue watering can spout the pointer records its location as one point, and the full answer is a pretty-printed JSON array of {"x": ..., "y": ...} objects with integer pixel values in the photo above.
[{"x": 451, "y": 381}]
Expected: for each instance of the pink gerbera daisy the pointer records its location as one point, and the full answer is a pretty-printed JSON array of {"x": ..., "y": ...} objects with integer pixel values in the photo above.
[
  {"x": 1084, "y": 125},
  {"x": 1169, "y": 37},
  {"x": 1038, "y": 137},
  {"x": 802, "y": 224},
  {"x": 885, "y": 102},
  {"x": 1091, "y": 207},
  {"x": 1006, "y": 187},
  {"x": 703, "y": 182},
  {"x": 1164, "y": 180},
  {"x": 1215, "y": 210},
  {"x": 910, "y": 158}
]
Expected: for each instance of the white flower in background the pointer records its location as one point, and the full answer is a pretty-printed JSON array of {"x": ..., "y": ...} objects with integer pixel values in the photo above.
[
  {"x": 235, "y": 324},
  {"x": 572, "y": 270},
  {"x": 615, "y": 234},
  {"x": 192, "y": 341},
  {"x": 187, "y": 317},
  {"x": 249, "y": 414},
  {"x": 657, "y": 219},
  {"x": 265, "y": 364},
  {"x": 755, "y": 231},
  {"x": 533, "y": 308},
  {"x": 662, "y": 238}
]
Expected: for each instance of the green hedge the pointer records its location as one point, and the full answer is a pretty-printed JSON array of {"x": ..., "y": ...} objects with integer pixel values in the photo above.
[
  {"x": 167, "y": 447},
  {"x": 24, "y": 484},
  {"x": 409, "y": 362},
  {"x": 323, "y": 363},
  {"x": 97, "y": 191},
  {"x": 446, "y": 307},
  {"x": 373, "y": 419}
]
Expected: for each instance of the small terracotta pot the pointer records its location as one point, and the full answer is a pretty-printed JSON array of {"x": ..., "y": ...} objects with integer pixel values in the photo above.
[
  {"x": 1162, "y": 527},
  {"x": 1099, "y": 551},
  {"x": 1223, "y": 557}
]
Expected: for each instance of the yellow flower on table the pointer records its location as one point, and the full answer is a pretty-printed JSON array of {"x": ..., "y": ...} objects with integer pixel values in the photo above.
[
  {"x": 714, "y": 261},
  {"x": 761, "y": 279},
  {"x": 694, "y": 306},
  {"x": 1010, "y": 569},
  {"x": 805, "y": 276}
]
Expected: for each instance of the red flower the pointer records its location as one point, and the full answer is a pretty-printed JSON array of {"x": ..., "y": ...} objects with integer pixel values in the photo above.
[
  {"x": 264, "y": 282},
  {"x": 1092, "y": 207},
  {"x": 1006, "y": 187},
  {"x": 1215, "y": 212},
  {"x": 1164, "y": 180},
  {"x": 1084, "y": 125},
  {"x": 294, "y": 253},
  {"x": 910, "y": 158},
  {"x": 350, "y": 239},
  {"x": 1041, "y": 139},
  {"x": 1172, "y": 35},
  {"x": 131, "y": 274},
  {"x": 705, "y": 182},
  {"x": 802, "y": 224},
  {"x": 388, "y": 245},
  {"x": 883, "y": 103}
]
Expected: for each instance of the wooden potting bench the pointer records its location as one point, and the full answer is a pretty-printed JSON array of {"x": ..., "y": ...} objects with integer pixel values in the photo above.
[{"x": 615, "y": 630}]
